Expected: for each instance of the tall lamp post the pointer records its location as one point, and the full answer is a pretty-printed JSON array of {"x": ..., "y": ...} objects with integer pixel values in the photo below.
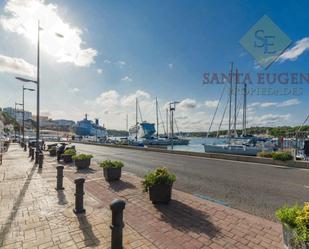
[
  {"x": 16, "y": 104},
  {"x": 37, "y": 82},
  {"x": 172, "y": 109},
  {"x": 25, "y": 89}
]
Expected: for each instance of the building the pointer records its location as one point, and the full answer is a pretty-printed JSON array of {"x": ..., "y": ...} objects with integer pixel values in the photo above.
[
  {"x": 64, "y": 122},
  {"x": 18, "y": 114}
]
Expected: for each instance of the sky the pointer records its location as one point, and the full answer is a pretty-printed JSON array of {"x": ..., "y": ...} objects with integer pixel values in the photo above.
[{"x": 98, "y": 56}]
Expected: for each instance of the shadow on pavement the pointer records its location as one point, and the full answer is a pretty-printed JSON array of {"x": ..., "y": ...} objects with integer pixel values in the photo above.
[
  {"x": 85, "y": 171},
  {"x": 62, "y": 200},
  {"x": 6, "y": 228},
  {"x": 121, "y": 185},
  {"x": 186, "y": 219},
  {"x": 90, "y": 240}
]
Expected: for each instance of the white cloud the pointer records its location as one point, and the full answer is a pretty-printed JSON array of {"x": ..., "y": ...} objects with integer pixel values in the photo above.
[
  {"x": 271, "y": 119},
  {"x": 171, "y": 66},
  {"x": 298, "y": 49},
  {"x": 74, "y": 90},
  {"x": 211, "y": 103},
  {"x": 289, "y": 102},
  {"x": 16, "y": 66},
  {"x": 107, "y": 61},
  {"x": 268, "y": 104},
  {"x": 129, "y": 100},
  {"x": 108, "y": 99},
  {"x": 187, "y": 104},
  {"x": 21, "y": 18},
  {"x": 127, "y": 78},
  {"x": 99, "y": 71}
]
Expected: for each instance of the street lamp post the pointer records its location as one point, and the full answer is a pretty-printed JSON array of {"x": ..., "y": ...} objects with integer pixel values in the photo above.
[
  {"x": 25, "y": 89},
  {"x": 16, "y": 104},
  {"x": 172, "y": 109}
]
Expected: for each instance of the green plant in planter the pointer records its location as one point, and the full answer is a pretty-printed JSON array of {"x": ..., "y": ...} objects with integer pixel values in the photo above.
[
  {"x": 297, "y": 219},
  {"x": 266, "y": 154},
  {"x": 158, "y": 176},
  {"x": 70, "y": 152},
  {"x": 282, "y": 156},
  {"x": 81, "y": 157},
  {"x": 111, "y": 164}
]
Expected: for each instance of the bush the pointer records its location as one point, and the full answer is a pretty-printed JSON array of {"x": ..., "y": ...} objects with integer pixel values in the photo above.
[
  {"x": 158, "y": 176},
  {"x": 266, "y": 154},
  {"x": 111, "y": 164},
  {"x": 70, "y": 152},
  {"x": 81, "y": 157},
  {"x": 282, "y": 156},
  {"x": 297, "y": 218}
]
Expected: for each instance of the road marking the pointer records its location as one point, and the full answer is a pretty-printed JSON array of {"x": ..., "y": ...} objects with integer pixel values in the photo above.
[{"x": 208, "y": 198}]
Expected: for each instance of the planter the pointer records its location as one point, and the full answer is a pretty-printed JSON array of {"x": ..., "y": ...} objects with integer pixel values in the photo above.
[
  {"x": 82, "y": 164},
  {"x": 67, "y": 158},
  {"x": 289, "y": 239},
  {"x": 160, "y": 193},
  {"x": 53, "y": 152},
  {"x": 112, "y": 174}
]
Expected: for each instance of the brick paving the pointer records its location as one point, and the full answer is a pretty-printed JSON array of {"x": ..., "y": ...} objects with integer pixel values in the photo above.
[{"x": 34, "y": 215}]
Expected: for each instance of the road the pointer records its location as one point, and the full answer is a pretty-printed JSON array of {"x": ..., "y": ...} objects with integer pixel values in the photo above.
[{"x": 255, "y": 188}]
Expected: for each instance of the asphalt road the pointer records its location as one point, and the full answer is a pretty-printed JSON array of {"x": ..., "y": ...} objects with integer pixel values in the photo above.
[{"x": 255, "y": 188}]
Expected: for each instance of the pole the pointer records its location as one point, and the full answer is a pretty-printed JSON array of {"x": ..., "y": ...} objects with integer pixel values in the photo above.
[
  {"x": 23, "y": 114},
  {"x": 127, "y": 125},
  {"x": 172, "y": 125},
  {"x": 136, "y": 119},
  {"x": 235, "y": 107},
  {"x": 230, "y": 101},
  {"x": 16, "y": 121},
  {"x": 157, "y": 118},
  {"x": 38, "y": 95},
  {"x": 167, "y": 123},
  {"x": 245, "y": 111}
]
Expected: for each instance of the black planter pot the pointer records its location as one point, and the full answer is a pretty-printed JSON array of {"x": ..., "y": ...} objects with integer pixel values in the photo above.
[
  {"x": 160, "y": 193},
  {"x": 112, "y": 174},
  {"x": 67, "y": 158},
  {"x": 82, "y": 164},
  {"x": 53, "y": 153}
]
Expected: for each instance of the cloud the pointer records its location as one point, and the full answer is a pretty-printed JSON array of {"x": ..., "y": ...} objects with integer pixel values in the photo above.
[
  {"x": 108, "y": 99},
  {"x": 99, "y": 71},
  {"x": 129, "y": 100},
  {"x": 271, "y": 119},
  {"x": 16, "y": 66},
  {"x": 187, "y": 104},
  {"x": 289, "y": 102},
  {"x": 74, "y": 90},
  {"x": 268, "y": 104},
  {"x": 211, "y": 103},
  {"x": 127, "y": 78},
  {"x": 107, "y": 61},
  {"x": 171, "y": 66},
  {"x": 298, "y": 49},
  {"x": 21, "y": 18}
]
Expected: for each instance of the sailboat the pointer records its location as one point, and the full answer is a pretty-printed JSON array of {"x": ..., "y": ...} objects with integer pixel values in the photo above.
[{"x": 244, "y": 145}]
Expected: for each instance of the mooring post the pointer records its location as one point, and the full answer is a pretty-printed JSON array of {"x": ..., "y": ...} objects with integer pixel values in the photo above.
[
  {"x": 40, "y": 160},
  {"x": 117, "y": 207},
  {"x": 32, "y": 153},
  {"x": 25, "y": 147},
  {"x": 79, "y": 196},
  {"x": 29, "y": 150},
  {"x": 59, "y": 178}
]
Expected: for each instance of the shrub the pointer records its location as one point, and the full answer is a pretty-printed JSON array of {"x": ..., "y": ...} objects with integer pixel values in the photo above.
[
  {"x": 158, "y": 176},
  {"x": 70, "y": 152},
  {"x": 282, "y": 156},
  {"x": 81, "y": 157},
  {"x": 266, "y": 154},
  {"x": 297, "y": 218},
  {"x": 111, "y": 164}
]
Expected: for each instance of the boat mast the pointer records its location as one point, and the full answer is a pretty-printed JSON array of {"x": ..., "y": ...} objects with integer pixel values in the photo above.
[
  {"x": 127, "y": 125},
  {"x": 235, "y": 107},
  {"x": 167, "y": 123},
  {"x": 244, "y": 132},
  {"x": 230, "y": 101},
  {"x": 136, "y": 118},
  {"x": 157, "y": 118}
]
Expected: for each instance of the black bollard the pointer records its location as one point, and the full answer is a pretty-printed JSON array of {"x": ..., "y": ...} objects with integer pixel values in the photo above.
[
  {"x": 32, "y": 153},
  {"x": 59, "y": 178},
  {"x": 40, "y": 160},
  {"x": 117, "y": 207},
  {"x": 29, "y": 150},
  {"x": 79, "y": 196},
  {"x": 25, "y": 147}
]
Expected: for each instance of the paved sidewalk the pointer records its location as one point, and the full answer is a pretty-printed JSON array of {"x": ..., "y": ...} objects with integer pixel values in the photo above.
[{"x": 34, "y": 215}]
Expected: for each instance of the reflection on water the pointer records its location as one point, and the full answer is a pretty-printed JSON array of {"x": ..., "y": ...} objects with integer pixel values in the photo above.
[{"x": 196, "y": 144}]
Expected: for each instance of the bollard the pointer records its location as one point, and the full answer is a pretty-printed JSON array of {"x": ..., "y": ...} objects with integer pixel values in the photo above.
[
  {"x": 25, "y": 147},
  {"x": 40, "y": 160},
  {"x": 32, "y": 154},
  {"x": 59, "y": 178},
  {"x": 117, "y": 207},
  {"x": 29, "y": 150},
  {"x": 36, "y": 157},
  {"x": 79, "y": 196}
]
